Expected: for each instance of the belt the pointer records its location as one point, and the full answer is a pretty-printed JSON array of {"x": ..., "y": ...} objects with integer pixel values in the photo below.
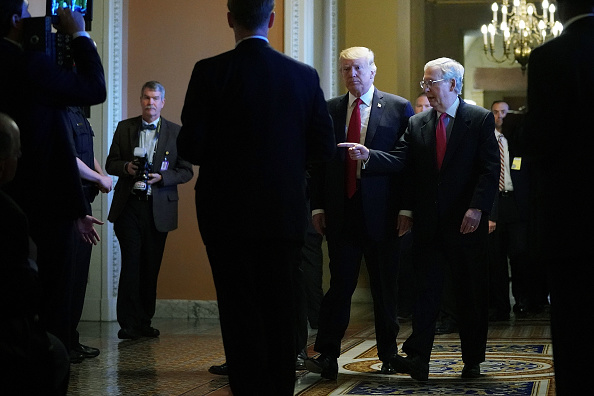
[{"x": 506, "y": 193}]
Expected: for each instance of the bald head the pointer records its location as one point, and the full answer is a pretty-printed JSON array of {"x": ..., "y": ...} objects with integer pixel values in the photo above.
[{"x": 10, "y": 148}]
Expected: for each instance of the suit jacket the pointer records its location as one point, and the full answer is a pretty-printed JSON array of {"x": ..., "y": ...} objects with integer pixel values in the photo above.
[
  {"x": 262, "y": 120},
  {"x": 559, "y": 134},
  {"x": 379, "y": 187},
  {"x": 164, "y": 193},
  {"x": 38, "y": 92},
  {"x": 468, "y": 177}
]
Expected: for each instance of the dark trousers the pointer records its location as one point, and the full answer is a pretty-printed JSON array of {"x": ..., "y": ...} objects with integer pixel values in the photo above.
[
  {"x": 510, "y": 242},
  {"x": 55, "y": 240},
  {"x": 254, "y": 284},
  {"x": 466, "y": 259},
  {"x": 141, "y": 246},
  {"x": 312, "y": 267},
  {"x": 82, "y": 262},
  {"x": 381, "y": 259}
]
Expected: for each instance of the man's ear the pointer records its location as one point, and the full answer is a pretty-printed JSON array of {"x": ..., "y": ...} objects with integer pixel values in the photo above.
[
  {"x": 271, "y": 20},
  {"x": 230, "y": 20},
  {"x": 15, "y": 20}
]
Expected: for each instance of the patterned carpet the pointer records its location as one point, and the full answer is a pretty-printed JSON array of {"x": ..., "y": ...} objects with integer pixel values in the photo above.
[{"x": 519, "y": 362}]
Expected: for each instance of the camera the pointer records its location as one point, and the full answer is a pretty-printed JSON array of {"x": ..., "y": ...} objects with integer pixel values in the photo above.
[
  {"x": 85, "y": 7},
  {"x": 140, "y": 187},
  {"x": 40, "y": 36}
]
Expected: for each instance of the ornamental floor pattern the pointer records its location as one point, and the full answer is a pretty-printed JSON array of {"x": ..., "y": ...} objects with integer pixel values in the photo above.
[{"x": 519, "y": 362}]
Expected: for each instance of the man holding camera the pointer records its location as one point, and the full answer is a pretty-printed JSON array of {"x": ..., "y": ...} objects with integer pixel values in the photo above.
[
  {"x": 47, "y": 183},
  {"x": 142, "y": 217}
]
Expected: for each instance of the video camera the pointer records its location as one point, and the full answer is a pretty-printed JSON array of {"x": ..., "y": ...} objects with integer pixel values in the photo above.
[{"x": 39, "y": 34}]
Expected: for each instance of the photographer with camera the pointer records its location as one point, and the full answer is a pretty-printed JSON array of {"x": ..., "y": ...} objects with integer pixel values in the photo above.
[
  {"x": 47, "y": 184},
  {"x": 143, "y": 154}
]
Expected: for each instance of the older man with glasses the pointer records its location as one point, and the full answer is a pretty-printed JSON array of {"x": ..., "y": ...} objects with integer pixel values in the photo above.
[{"x": 452, "y": 171}]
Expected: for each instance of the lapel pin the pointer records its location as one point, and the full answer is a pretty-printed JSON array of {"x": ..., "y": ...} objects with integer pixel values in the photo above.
[{"x": 379, "y": 105}]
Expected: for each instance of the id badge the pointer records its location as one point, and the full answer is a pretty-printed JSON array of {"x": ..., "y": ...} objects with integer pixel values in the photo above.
[
  {"x": 517, "y": 163},
  {"x": 165, "y": 163}
]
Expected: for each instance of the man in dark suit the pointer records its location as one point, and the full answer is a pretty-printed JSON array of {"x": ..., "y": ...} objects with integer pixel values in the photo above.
[
  {"x": 144, "y": 211},
  {"x": 508, "y": 221},
  {"x": 47, "y": 184},
  {"x": 452, "y": 171},
  {"x": 359, "y": 222},
  {"x": 252, "y": 120},
  {"x": 561, "y": 141}
]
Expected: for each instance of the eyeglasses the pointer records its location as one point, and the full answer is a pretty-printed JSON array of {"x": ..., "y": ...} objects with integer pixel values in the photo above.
[{"x": 429, "y": 83}]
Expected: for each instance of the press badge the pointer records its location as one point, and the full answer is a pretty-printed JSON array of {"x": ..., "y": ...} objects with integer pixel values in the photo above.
[
  {"x": 165, "y": 163},
  {"x": 517, "y": 163}
]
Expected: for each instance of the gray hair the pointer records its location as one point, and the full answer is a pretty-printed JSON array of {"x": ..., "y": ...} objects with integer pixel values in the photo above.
[
  {"x": 449, "y": 69},
  {"x": 358, "y": 53},
  {"x": 153, "y": 86}
]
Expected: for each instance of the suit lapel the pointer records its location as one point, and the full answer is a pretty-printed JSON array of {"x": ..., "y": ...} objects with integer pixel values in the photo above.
[
  {"x": 377, "y": 109},
  {"x": 161, "y": 143},
  {"x": 134, "y": 133},
  {"x": 458, "y": 132},
  {"x": 428, "y": 126}
]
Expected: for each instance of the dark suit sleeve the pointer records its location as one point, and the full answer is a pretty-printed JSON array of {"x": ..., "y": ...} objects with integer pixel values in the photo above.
[
  {"x": 83, "y": 87},
  {"x": 382, "y": 162},
  {"x": 488, "y": 163},
  {"x": 190, "y": 141},
  {"x": 320, "y": 136}
]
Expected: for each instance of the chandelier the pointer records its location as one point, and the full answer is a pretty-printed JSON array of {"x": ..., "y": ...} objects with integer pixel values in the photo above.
[{"x": 521, "y": 29}]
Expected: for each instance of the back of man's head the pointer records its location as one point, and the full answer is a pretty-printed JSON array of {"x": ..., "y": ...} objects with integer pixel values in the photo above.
[
  {"x": 8, "y": 8},
  {"x": 251, "y": 14},
  {"x": 9, "y": 148},
  {"x": 568, "y": 9}
]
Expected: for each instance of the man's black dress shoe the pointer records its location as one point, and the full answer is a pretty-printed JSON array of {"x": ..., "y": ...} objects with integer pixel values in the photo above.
[
  {"x": 75, "y": 357},
  {"x": 86, "y": 351},
  {"x": 471, "y": 371},
  {"x": 128, "y": 334},
  {"x": 149, "y": 332},
  {"x": 324, "y": 365},
  {"x": 520, "y": 310},
  {"x": 387, "y": 368},
  {"x": 412, "y": 365},
  {"x": 300, "y": 362},
  {"x": 221, "y": 369}
]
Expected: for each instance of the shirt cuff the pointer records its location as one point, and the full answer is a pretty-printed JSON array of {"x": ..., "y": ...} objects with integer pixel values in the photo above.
[
  {"x": 407, "y": 213},
  {"x": 82, "y": 33},
  {"x": 316, "y": 211}
]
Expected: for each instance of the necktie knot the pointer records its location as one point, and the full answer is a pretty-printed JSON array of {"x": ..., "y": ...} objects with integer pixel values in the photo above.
[{"x": 149, "y": 126}]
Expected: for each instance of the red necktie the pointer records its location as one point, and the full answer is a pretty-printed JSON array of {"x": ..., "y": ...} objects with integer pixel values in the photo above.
[
  {"x": 501, "y": 163},
  {"x": 440, "y": 139},
  {"x": 353, "y": 136}
]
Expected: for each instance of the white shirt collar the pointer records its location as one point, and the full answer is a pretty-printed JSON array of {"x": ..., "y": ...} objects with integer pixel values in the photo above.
[
  {"x": 451, "y": 111},
  {"x": 366, "y": 98},
  {"x": 251, "y": 37}
]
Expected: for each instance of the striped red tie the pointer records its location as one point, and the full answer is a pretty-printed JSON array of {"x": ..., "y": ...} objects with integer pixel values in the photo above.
[{"x": 501, "y": 163}]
